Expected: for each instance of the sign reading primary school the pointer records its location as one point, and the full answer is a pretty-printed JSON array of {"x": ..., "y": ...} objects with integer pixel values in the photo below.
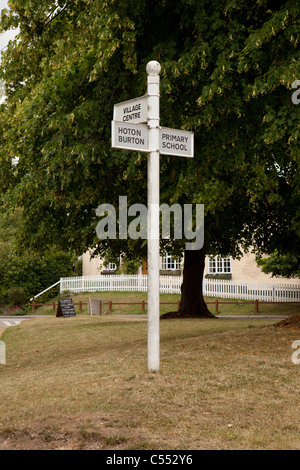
[{"x": 176, "y": 142}]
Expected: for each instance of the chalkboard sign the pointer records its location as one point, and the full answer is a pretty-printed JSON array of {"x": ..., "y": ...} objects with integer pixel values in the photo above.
[{"x": 65, "y": 308}]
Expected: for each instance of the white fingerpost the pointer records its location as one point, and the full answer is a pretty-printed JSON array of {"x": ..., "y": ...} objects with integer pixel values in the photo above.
[
  {"x": 153, "y": 70},
  {"x": 130, "y": 132}
]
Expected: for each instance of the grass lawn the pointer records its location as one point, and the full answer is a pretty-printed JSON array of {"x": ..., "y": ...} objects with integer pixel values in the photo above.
[
  {"x": 239, "y": 308},
  {"x": 82, "y": 383}
]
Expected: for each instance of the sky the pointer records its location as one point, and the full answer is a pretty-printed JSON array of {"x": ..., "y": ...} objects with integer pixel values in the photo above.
[{"x": 6, "y": 37}]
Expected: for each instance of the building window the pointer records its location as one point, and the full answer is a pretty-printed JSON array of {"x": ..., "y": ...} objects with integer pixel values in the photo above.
[
  {"x": 111, "y": 267},
  {"x": 170, "y": 263},
  {"x": 218, "y": 265}
]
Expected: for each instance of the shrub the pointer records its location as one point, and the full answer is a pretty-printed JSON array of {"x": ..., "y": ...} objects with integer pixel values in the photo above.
[
  {"x": 16, "y": 310},
  {"x": 33, "y": 273},
  {"x": 16, "y": 296},
  {"x": 3, "y": 296},
  {"x": 129, "y": 266}
]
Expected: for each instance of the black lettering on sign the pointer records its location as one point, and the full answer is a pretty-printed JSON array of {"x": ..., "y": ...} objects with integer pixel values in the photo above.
[{"x": 65, "y": 308}]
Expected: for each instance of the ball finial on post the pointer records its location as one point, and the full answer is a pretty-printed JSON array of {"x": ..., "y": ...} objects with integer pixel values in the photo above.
[{"x": 153, "y": 68}]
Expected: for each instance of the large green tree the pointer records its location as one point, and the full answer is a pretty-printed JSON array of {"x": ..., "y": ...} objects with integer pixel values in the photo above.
[{"x": 227, "y": 74}]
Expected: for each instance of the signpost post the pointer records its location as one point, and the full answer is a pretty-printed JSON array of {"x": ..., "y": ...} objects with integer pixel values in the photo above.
[
  {"x": 153, "y": 71},
  {"x": 129, "y": 133}
]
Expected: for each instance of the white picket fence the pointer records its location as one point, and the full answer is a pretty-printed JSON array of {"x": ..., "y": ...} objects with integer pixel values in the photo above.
[
  {"x": 252, "y": 290},
  {"x": 172, "y": 284}
]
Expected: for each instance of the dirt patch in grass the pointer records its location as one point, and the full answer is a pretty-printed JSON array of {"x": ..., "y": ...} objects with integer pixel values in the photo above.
[
  {"x": 293, "y": 322},
  {"x": 87, "y": 432}
]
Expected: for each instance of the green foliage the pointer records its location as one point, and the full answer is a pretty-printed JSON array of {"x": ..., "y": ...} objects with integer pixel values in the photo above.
[
  {"x": 33, "y": 273},
  {"x": 227, "y": 70},
  {"x": 78, "y": 267},
  {"x": 287, "y": 265},
  {"x": 16, "y": 296},
  {"x": 2, "y": 90},
  {"x": 50, "y": 294},
  {"x": 23, "y": 273},
  {"x": 128, "y": 266}
]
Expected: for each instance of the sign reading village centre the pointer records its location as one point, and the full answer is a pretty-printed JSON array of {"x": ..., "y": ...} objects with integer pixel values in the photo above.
[{"x": 133, "y": 111}]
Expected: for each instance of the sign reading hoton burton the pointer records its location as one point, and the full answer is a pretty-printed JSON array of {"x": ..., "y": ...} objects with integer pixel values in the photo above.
[
  {"x": 132, "y": 111},
  {"x": 129, "y": 136},
  {"x": 176, "y": 142}
]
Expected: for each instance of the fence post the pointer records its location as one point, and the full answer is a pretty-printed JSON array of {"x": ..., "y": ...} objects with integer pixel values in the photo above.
[
  {"x": 143, "y": 306},
  {"x": 33, "y": 305},
  {"x": 110, "y": 306},
  {"x": 80, "y": 306},
  {"x": 256, "y": 306},
  {"x": 217, "y": 306}
]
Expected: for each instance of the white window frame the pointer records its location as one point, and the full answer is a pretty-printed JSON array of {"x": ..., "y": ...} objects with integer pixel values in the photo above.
[
  {"x": 219, "y": 265},
  {"x": 170, "y": 264},
  {"x": 111, "y": 267}
]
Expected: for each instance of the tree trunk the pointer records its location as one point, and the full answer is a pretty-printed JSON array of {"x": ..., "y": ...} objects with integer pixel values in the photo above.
[{"x": 192, "y": 302}]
